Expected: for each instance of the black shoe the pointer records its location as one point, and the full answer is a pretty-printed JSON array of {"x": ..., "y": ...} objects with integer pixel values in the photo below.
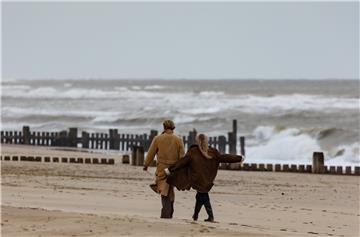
[
  {"x": 195, "y": 217},
  {"x": 209, "y": 219}
]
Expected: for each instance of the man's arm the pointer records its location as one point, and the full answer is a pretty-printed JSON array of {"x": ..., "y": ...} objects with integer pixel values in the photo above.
[{"x": 151, "y": 153}]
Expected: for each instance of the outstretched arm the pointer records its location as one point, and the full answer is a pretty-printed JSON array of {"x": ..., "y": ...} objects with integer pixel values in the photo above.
[
  {"x": 180, "y": 163},
  {"x": 227, "y": 158}
]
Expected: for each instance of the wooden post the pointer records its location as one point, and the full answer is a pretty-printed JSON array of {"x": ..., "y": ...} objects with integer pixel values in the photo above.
[
  {"x": 293, "y": 168},
  {"x": 26, "y": 135},
  {"x": 233, "y": 138},
  {"x": 242, "y": 146},
  {"x": 339, "y": 170},
  {"x": 63, "y": 139},
  {"x": 222, "y": 144},
  {"x": 96, "y": 140},
  {"x": 318, "y": 163},
  {"x": 133, "y": 155},
  {"x": 357, "y": 170},
  {"x": 348, "y": 170},
  {"x": 111, "y": 139},
  {"x": 122, "y": 142},
  {"x": 101, "y": 140},
  {"x": 269, "y": 167},
  {"x": 116, "y": 140},
  {"x": 192, "y": 137},
  {"x": 125, "y": 159},
  {"x": 85, "y": 139},
  {"x": 72, "y": 137},
  {"x": 140, "y": 156}
]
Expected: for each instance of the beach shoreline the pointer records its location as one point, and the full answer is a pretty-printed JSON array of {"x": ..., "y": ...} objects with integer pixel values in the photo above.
[{"x": 113, "y": 200}]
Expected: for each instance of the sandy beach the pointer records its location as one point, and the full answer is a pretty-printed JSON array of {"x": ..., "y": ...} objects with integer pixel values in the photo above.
[{"x": 56, "y": 199}]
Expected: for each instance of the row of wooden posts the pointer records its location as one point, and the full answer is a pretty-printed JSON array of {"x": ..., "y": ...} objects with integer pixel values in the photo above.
[
  {"x": 137, "y": 159},
  {"x": 47, "y": 159},
  {"x": 317, "y": 167},
  {"x": 113, "y": 140}
]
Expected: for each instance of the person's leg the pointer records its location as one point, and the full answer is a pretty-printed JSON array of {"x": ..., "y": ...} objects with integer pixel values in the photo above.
[
  {"x": 166, "y": 207},
  {"x": 198, "y": 205},
  {"x": 172, "y": 199},
  {"x": 208, "y": 208}
]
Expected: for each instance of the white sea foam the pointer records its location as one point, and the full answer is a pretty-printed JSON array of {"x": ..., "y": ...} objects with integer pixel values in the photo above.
[
  {"x": 292, "y": 146},
  {"x": 288, "y": 145},
  {"x": 154, "y": 87},
  {"x": 218, "y": 101}
]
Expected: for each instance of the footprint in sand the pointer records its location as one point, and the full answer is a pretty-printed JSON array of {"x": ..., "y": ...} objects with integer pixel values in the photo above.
[{"x": 204, "y": 230}]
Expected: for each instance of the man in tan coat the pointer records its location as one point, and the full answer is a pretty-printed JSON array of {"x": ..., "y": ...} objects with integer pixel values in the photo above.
[{"x": 169, "y": 148}]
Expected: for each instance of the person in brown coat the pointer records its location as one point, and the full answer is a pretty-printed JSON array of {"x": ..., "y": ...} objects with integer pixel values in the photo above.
[
  {"x": 198, "y": 170},
  {"x": 168, "y": 148}
]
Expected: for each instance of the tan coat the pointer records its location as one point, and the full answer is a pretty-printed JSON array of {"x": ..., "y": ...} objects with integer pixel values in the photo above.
[{"x": 168, "y": 148}]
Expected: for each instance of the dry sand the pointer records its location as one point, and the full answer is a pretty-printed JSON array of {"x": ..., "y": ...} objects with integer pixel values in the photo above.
[{"x": 54, "y": 199}]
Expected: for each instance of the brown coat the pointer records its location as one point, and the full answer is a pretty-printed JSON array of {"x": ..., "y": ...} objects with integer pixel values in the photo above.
[
  {"x": 197, "y": 172},
  {"x": 168, "y": 148}
]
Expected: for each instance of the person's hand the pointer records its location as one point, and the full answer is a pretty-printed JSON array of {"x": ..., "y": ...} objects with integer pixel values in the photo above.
[
  {"x": 145, "y": 168},
  {"x": 167, "y": 171}
]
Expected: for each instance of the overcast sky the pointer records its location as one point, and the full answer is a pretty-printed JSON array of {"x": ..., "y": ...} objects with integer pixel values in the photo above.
[{"x": 180, "y": 40}]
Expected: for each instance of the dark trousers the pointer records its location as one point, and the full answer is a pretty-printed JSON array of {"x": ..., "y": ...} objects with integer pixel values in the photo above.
[
  {"x": 203, "y": 199},
  {"x": 167, "y": 209}
]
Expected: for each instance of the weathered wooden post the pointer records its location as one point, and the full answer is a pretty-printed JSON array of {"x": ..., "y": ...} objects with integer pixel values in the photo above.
[
  {"x": 222, "y": 144},
  {"x": 26, "y": 135},
  {"x": 242, "y": 146},
  {"x": 72, "y": 138},
  {"x": 133, "y": 155},
  {"x": 318, "y": 163},
  {"x": 116, "y": 140},
  {"x": 232, "y": 137},
  {"x": 125, "y": 159},
  {"x": 63, "y": 139},
  {"x": 111, "y": 141},
  {"x": 140, "y": 156},
  {"x": 85, "y": 139},
  {"x": 192, "y": 137}
]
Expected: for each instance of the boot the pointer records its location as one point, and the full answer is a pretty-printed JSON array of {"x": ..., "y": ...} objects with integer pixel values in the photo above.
[
  {"x": 167, "y": 209},
  {"x": 197, "y": 209},
  {"x": 172, "y": 209},
  {"x": 209, "y": 212}
]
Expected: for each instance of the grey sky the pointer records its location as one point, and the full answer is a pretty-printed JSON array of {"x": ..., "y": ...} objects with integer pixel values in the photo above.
[{"x": 180, "y": 40}]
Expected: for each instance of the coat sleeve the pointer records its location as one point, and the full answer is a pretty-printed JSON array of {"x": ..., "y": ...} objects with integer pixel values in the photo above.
[
  {"x": 151, "y": 152},
  {"x": 227, "y": 158},
  {"x": 180, "y": 163}
]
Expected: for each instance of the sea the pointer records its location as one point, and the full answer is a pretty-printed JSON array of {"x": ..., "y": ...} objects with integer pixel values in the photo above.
[{"x": 283, "y": 121}]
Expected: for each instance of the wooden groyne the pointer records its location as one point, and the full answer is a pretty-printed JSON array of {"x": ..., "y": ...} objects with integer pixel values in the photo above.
[
  {"x": 57, "y": 159},
  {"x": 317, "y": 167},
  {"x": 113, "y": 140}
]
